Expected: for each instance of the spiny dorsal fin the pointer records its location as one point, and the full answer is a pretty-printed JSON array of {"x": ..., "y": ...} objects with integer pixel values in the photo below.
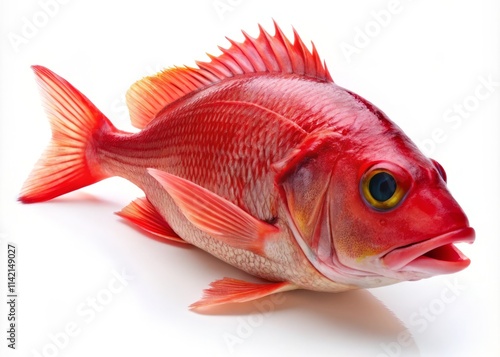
[{"x": 265, "y": 53}]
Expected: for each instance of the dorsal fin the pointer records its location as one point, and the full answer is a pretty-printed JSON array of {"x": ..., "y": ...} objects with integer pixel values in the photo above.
[{"x": 265, "y": 53}]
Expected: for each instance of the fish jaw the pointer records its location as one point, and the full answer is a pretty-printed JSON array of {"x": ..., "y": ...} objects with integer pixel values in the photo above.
[{"x": 434, "y": 256}]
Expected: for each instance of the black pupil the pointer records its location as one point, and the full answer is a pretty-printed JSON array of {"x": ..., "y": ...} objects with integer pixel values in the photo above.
[{"x": 382, "y": 186}]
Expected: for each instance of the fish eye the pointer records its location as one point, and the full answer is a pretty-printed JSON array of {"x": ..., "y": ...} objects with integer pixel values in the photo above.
[
  {"x": 381, "y": 190},
  {"x": 440, "y": 169},
  {"x": 382, "y": 186}
]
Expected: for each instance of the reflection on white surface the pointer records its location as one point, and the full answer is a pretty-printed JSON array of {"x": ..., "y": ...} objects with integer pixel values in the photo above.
[{"x": 425, "y": 61}]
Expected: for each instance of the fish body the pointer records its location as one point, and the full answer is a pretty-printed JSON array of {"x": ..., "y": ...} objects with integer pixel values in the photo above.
[{"x": 260, "y": 159}]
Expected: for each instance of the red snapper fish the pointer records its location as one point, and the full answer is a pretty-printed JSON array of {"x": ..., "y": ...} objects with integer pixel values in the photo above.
[{"x": 260, "y": 159}]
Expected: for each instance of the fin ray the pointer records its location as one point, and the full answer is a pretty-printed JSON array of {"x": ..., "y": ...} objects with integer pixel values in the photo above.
[
  {"x": 144, "y": 215},
  {"x": 215, "y": 215},
  {"x": 265, "y": 53},
  {"x": 229, "y": 290},
  {"x": 66, "y": 164}
]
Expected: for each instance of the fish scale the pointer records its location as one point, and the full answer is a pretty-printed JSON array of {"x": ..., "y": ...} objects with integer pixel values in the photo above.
[
  {"x": 215, "y": 146},
  {"x": 258, "y": 158}
]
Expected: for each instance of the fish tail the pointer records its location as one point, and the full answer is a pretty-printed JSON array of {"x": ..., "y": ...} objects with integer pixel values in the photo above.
[{"x": 70, "y": 161}]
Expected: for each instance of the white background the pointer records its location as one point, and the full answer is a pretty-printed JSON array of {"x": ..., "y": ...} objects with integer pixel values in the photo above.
[{"x": 422, "y": 62}]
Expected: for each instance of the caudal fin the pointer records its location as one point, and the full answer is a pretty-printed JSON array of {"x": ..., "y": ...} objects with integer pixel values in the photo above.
[{"x": 70, "y": 161}]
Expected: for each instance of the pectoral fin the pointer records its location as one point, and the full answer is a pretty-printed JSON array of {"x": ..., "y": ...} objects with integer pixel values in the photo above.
[
  {"x": 228, "y": 290},
  {"x": 215, "y": 215},
  {"x": 143, "y": 214}
]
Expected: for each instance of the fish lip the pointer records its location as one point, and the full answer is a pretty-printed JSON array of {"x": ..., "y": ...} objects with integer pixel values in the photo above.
[{"x": 413, "y": 257}]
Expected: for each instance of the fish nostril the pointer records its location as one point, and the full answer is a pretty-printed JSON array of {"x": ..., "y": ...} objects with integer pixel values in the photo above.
[
  {"x": 432, "y": 175},
  {"x": 440, "y": 170}
]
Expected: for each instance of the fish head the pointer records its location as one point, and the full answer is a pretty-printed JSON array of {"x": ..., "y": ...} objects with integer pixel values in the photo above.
[
  {"x": 376, "y": 214},
  {"x": 397, "y": 219}
]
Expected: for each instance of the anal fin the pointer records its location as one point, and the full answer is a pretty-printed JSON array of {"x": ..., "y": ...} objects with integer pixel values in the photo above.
[
  {"x": 229, "y": 290},
  {"x": 144, "y": 215}
]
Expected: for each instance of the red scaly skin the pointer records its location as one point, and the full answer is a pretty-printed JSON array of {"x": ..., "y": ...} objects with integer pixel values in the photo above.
[
  {"x": 226, "y": 139},
  {"x": 284, "y": 157}
]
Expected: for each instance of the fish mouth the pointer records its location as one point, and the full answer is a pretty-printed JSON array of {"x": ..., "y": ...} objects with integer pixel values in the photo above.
[{"x": 433, "y": 256}]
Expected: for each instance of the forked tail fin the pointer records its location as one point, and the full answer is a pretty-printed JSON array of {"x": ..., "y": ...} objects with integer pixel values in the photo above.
[{"x": 70, "y": 161}]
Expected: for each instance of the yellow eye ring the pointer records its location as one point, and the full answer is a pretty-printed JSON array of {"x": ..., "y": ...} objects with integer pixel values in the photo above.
[{"x": 381, "y": 190}]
